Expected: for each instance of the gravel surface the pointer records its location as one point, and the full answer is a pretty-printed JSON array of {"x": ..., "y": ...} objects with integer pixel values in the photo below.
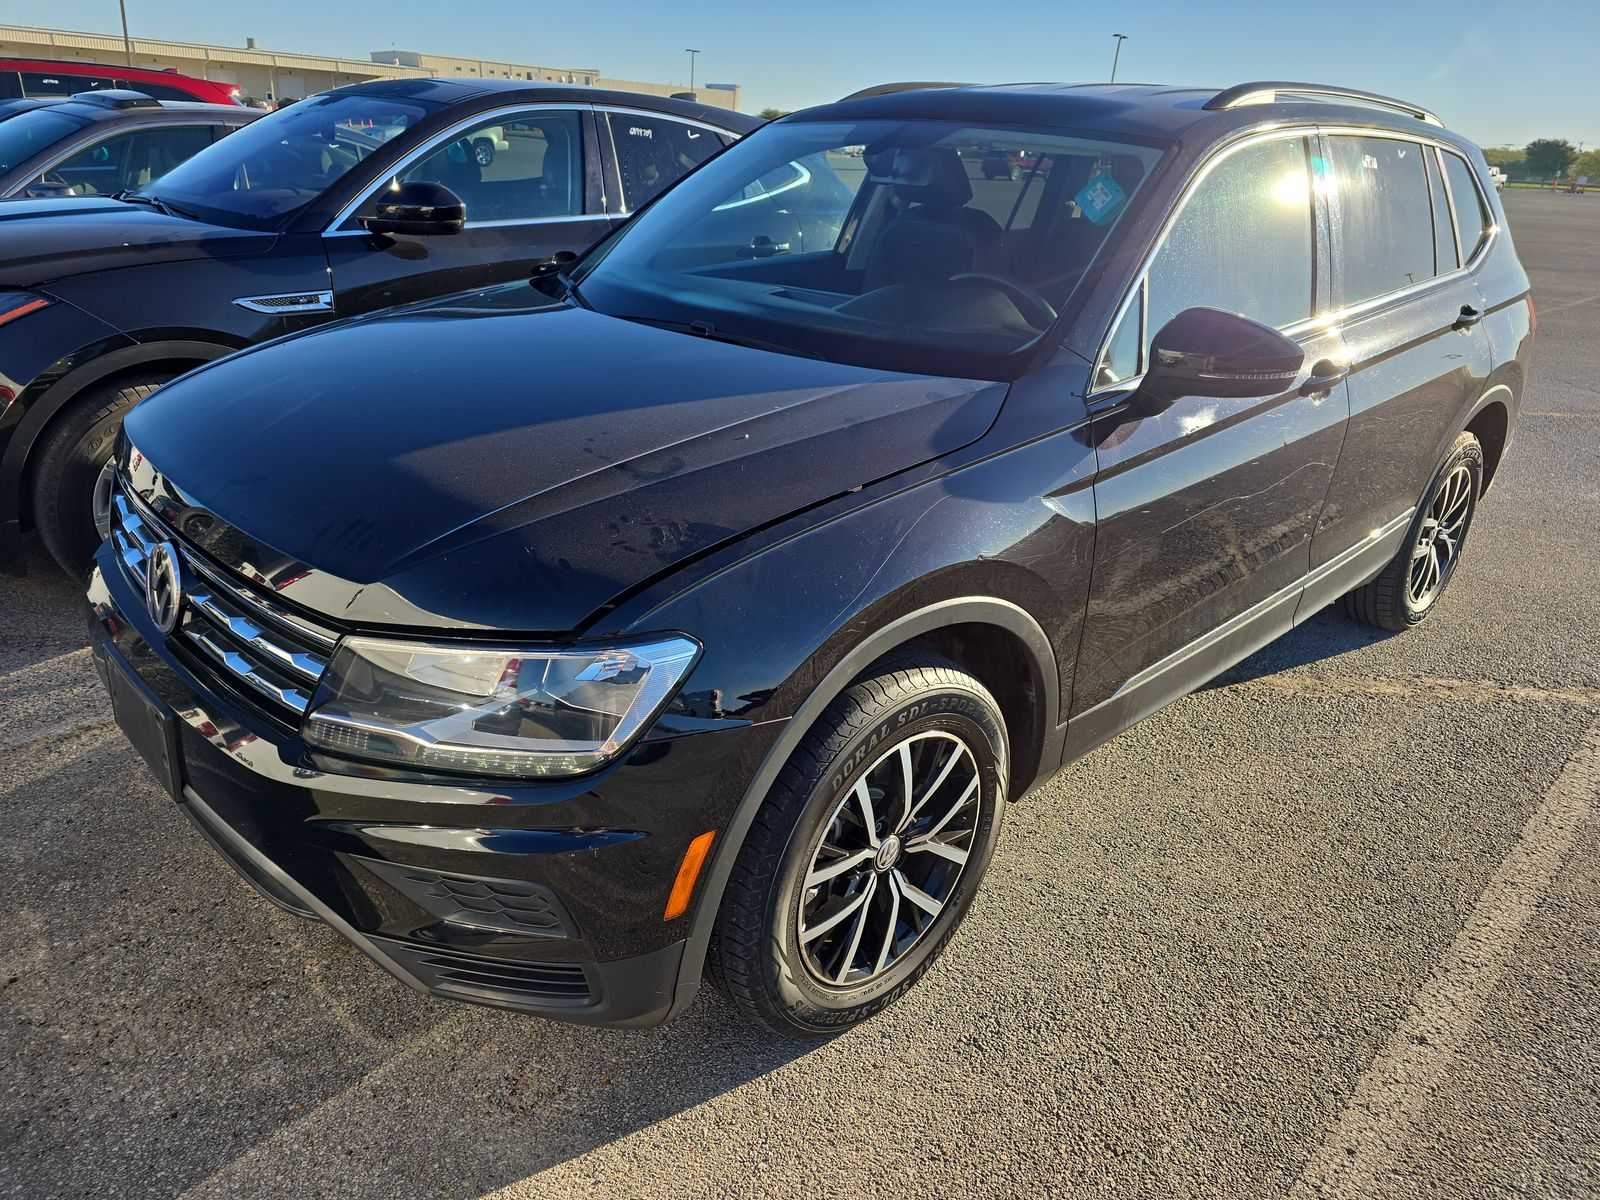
[{"x": 1330, "y": 926}]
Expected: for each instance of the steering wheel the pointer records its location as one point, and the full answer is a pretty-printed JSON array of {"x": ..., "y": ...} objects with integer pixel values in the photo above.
[{"x": 1035, "y": 309}]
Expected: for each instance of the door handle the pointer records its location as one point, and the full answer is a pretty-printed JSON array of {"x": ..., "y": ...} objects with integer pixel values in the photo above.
[
  {"x": 1323, "y": 378},
  {"x": 1468, "y": 318}
]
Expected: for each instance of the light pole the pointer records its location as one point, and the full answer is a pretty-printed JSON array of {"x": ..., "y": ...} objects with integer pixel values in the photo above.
[
  {"x": 691, "y": 54},
  {"x": 127, "y": 46},
  {"x": 1121, "y": 37}
]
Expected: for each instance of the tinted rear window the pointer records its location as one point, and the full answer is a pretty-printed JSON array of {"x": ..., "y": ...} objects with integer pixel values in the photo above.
[{"x": 1385, "y": 216}]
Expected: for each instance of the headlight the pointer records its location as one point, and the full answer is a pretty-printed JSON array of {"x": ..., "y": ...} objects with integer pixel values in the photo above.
[
  {"x": 490, "y": 711},
  {"x": 20, "y": 304}
]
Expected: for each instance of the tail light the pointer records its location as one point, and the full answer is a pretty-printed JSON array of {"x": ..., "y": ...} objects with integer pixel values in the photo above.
[{"x": 1533, "y": 318}]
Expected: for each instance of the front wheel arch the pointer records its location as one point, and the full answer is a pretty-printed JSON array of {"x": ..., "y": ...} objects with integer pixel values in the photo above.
[
  {"x": 925, "y": 625},
  {"x": 16, "y": 468}
]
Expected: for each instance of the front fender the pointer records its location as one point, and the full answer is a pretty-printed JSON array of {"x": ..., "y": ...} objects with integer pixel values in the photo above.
[{"x": 1005, "y": 542}]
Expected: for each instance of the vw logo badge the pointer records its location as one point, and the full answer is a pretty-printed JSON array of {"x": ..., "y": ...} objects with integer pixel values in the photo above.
[{"x": 163, "y": 591}]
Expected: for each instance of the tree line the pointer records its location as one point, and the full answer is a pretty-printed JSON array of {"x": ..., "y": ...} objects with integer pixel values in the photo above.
[{"x": 1545, "y": 159}]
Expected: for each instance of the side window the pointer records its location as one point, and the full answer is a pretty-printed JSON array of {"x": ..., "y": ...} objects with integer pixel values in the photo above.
[
  {"x": 1444, "y": 229},
  {"x": 1472, "y": 218},
  {"x": 1243, "y": 241},
  {"x": 655, "y": 152},
  {"x": 97, "y": 170},
  {"x": 130, "y": 160},
  {"x": 43, "y": 84},
  {"x": 1385, "y": 228},
  {"x": 517, "y": 167}
]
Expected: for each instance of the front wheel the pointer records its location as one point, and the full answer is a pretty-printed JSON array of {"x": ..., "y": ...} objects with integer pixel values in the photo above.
[
  {"x": 1410, "y": 586},
  {"x": 71, "y": 487},
  {"x": 867, "y": 852},
  {"x": 483, "y": 151}
]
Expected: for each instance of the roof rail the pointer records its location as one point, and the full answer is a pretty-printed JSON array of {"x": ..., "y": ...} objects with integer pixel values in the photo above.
[
  {"x": 884, "y": 89},
  {"x": 1270, "y": 91}
]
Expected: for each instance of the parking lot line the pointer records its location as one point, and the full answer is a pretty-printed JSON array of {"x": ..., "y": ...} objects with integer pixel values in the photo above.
[{"x": 1391, "y": 1097}]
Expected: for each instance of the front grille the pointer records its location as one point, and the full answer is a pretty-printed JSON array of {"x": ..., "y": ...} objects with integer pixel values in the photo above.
[{"x": 253, "y": 644}]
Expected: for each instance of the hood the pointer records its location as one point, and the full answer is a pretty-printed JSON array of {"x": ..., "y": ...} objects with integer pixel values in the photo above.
[
  {"x": 511, "y": 464},
  {"x": 41, "y": 240}
]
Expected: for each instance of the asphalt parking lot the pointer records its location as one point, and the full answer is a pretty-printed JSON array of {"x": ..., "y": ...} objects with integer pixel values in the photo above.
[{"x": 1328, "y": 927}]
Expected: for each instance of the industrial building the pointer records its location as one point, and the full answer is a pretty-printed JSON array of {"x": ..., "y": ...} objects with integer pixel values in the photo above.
[{"x": 277, "y": 75}]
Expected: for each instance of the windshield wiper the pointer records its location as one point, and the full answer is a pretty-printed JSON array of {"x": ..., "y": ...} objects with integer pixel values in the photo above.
[
  {"x": 710, "y": 332},
  {"x": 155, "y": 202}
]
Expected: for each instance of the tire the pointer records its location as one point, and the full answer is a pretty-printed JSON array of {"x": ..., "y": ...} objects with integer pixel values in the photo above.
[
  {"x": 954, "y": 734},
  {"x": 67, "y": 468},
  {"x": 1432, "y": 548},
  {"x": 483, "y": 152}
]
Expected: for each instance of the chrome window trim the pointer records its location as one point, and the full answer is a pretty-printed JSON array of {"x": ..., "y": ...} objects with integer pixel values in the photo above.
[
  {"x": 1334, "y": 317},
  {"x": 347, "y": 213},
  {"x": 611, "y": 138},
  {"x": 93, "y": 140}
]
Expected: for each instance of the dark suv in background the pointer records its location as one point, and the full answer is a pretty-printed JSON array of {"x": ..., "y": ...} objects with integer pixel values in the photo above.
[
  {"x": 103, "y": 143},
  {"x": 699, "y": 609},
  {"x": 357, "y": 199}
]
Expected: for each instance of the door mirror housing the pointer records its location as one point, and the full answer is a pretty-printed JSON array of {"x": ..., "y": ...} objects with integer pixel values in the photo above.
[
  {"x": 1209, "y": 352},
  {"x": 417, "y": 209}
]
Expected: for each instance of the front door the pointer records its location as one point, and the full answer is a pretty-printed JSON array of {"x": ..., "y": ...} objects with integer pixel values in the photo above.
[
  {"x": 1205, "y": 511},
  {"x": 530, "y": 181}
]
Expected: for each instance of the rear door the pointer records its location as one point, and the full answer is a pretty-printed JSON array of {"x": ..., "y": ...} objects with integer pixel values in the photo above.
[
  {"x": 1205, "y": 511},
  {"x": 1409, "y": 308},
  {"x": 530, "y": 180}
]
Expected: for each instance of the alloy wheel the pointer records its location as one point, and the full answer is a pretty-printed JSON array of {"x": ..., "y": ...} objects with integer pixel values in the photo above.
[
  {"x": 889, "y": 858},
  {"x": 1438, "y": 543},
  {"x": 103, "y": 485}
]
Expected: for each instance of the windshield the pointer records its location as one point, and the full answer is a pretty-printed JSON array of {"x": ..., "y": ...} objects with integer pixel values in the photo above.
[
  {"x": 24, "y": 134},
  {"x": 905, "y": 245},
  {"x": 260, "y": 175}
]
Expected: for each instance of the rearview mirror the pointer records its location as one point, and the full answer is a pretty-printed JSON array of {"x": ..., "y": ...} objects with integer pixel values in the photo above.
[
  {"x": 1209, "y": 352},
  {"x": 417, "y": 209}
]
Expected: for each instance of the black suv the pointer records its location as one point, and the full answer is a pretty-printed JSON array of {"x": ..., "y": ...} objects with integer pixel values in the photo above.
[
  {"x": 339, "y": 204},
  {"x": 103, "y": 143},
  {"x": 691, "y": 609}
]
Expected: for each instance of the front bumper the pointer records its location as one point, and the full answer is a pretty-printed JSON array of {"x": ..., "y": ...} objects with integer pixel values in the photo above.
[{"x": 543, "y": 897}]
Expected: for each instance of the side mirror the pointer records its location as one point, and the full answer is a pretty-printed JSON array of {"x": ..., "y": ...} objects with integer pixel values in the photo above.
[
  {"x": 1208, "y": 352},
  {"x": 417, "y": 209}
]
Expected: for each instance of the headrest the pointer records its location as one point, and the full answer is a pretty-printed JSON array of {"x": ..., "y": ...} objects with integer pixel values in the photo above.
[{"x": 922, "y": 174}]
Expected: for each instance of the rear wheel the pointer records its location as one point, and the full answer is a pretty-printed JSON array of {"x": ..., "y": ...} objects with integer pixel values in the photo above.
[
  {"x": 867, "y": 852},
  {"x": 483, "y": 151},
  {"x": 1410, "y": 586},
  {"x": 71, "y": 483}
]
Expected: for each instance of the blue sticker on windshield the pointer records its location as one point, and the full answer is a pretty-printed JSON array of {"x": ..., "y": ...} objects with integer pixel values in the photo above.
[{"x": 1100, "y": 199}]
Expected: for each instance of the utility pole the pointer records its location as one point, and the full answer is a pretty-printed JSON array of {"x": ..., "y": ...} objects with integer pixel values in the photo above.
[
  {"x": 691, "y": 54},
  {"x": 1121, "y": 37},
  {"x": 127, "y": 45}
]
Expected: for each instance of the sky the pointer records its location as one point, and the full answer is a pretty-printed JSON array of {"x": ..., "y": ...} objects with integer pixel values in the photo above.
[{"x": 1499, "y": 72}]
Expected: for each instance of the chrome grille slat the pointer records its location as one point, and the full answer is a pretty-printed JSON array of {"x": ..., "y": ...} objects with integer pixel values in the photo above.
[
  {"x": 253, "y": 642},
  {"x": 306, "y": 665}
]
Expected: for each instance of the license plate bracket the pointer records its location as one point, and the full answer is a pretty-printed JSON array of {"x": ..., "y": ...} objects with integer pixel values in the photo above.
[{"x": 147, "y": 722}]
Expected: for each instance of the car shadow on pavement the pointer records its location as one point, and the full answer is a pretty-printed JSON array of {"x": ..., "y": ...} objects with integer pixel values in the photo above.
[
  {"x": 168, "y": 1032},
  {"x": 1325, "y": 635},
  {"x": 41, "y": 611}
]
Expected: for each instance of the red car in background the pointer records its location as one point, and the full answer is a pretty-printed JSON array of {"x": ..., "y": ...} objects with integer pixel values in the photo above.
[{"x": 42, "y": 78}]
